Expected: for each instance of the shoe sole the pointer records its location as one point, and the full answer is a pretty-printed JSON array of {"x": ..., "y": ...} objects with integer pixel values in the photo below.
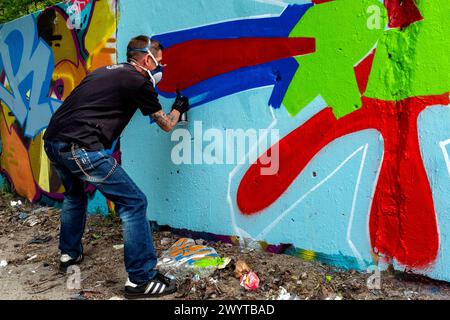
[{"x": 142, "y": 295}]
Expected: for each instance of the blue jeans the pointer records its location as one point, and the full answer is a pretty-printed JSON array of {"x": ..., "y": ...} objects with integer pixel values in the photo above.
[{"x": 130, "y": 203}]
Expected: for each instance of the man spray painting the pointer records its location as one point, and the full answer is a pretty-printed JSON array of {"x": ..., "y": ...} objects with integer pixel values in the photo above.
[{"x": 82, "y": 129}]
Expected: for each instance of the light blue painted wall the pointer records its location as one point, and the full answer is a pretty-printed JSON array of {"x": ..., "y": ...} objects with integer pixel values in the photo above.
[
  {"x": 434, "y": 137},
  {"x": 196, "y": 197}
]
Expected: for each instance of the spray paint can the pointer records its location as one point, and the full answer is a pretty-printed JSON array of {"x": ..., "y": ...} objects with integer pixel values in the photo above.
[{"x": 183, "y": 118}]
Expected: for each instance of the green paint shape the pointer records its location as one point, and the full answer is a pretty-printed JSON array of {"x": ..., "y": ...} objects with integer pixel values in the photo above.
[
  {"x": 209, "y": 262},
  {"x": 345, "y": 32},
  {"x": 414, "y": 61}
]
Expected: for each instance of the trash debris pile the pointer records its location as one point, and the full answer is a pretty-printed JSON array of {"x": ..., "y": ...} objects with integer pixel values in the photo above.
[
  {"x": 247, "y": 278},
  {"x": 231, "y": 269},
  {"x": 27, "y": 216},
  {"x": 285, "y": 295},
  {"x": 186, "y": 258},
  {"x": 250, "y": 281}
]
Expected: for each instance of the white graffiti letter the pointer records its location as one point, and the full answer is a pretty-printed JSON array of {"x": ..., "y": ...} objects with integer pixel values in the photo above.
[
  {"x": 74, "y": 279},
  {"x": 183, "y": 147},
  {"x": 274, "y": 158},
  {"x": 374, "y": 281},
  {"x": 213, "y": 153},
  {"x": 374, "y": 20}
]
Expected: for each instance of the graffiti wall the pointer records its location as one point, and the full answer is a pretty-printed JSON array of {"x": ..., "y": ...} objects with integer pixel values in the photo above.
[
  {"x": 342, "y": 108},
  {"x": 358, "y": 94},
  {"x": 43, "y": 57}
]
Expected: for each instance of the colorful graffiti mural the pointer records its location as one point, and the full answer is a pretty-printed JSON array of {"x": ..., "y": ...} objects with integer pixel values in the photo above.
[
  {"x": 358, "y": 89},
  {"x": 43, "y": 57},
  {"x": 351, "y": 97}
]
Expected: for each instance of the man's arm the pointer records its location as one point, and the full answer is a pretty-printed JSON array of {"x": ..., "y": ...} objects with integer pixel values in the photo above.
[{"x": 166, "y": 121}]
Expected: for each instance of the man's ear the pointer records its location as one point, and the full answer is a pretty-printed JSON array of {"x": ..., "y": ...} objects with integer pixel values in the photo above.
[{"x": 148, "y": 60}]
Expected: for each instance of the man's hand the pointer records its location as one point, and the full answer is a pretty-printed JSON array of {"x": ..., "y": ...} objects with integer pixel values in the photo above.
[
  {"x": 166, "y": 121},
  {"x": 181, "y": 103}
]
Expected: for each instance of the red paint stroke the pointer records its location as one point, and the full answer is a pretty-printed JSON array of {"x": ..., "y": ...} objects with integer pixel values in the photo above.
[
  {"x": 321, "y": 1},
  {"x": 190, "y": 62},
  {"x": 402, "y": 220},
  {"x": 402, "y": 13},
  {"x": 362, "y": 71}
]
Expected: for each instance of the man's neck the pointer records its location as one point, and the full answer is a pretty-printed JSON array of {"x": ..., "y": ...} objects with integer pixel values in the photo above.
[{"x": 139, "y": 69}]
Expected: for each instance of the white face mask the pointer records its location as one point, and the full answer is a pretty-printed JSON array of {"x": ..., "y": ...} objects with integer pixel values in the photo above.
[{"x": 155, "y": 75}]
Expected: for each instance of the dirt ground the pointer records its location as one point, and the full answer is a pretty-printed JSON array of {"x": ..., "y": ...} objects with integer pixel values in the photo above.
[{"x": 29, "y": 267}]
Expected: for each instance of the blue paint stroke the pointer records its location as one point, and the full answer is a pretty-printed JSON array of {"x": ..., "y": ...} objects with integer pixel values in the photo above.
[
  {"x": 245, "y": 28},
  {"x": 28, "y": 66},
  {"x": 278, "y": 73}
]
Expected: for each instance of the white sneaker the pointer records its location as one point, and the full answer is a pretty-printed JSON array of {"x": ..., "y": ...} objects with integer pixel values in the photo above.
[
  {"x": 66, "y": 261},
  {"x": 160, "y": 285}
]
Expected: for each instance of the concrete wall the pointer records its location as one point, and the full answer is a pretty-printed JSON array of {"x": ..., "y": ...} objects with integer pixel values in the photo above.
[{"x": 357, "y": 94}]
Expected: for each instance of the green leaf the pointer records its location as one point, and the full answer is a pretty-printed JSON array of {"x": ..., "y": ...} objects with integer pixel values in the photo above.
[{"x": 10, "y": 10}]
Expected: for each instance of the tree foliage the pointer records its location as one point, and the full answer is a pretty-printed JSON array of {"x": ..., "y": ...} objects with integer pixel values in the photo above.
[{"x": 13, "y": 9}]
